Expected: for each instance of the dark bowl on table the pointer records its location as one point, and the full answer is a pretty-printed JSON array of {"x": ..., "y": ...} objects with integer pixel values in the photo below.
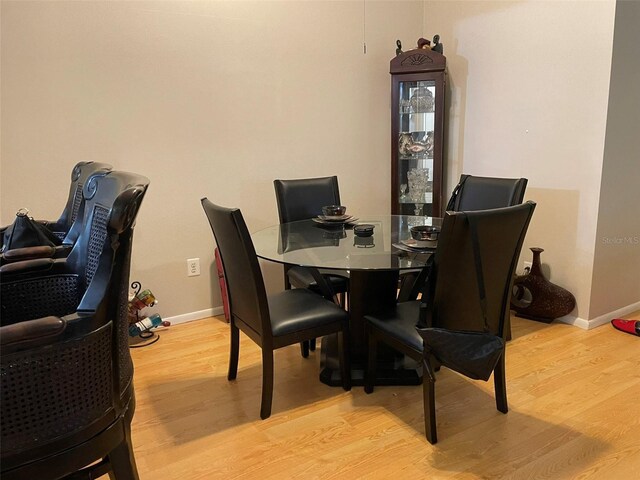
[
  {"x": 425, "y": 232},
  {"x": 363, "y": 230},
  {"x": 425, "y": 235},
  {"x": 333, "y": 210}
]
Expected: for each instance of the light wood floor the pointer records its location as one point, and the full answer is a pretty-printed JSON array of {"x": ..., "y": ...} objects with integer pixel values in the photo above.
[{"x": 574, "y": 399}]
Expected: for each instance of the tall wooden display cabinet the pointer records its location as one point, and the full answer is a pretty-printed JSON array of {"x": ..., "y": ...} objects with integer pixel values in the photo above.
[{"x": 417, "y": 132}]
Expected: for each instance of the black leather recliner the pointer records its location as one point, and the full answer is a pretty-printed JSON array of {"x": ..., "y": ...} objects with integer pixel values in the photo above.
[{"x": 70, "y": 224}]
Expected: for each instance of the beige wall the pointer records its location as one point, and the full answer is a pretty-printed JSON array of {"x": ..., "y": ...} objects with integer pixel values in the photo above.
[
  {"x": 219, "y": 98},
  {"x": 209, "y": 99},
  {"x": 529, "y": 84},
  {"x": 617, "y": 254}
]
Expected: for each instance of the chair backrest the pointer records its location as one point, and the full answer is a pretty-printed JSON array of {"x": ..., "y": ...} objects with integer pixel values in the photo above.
[
  {"x": 79, "y": 176},
  {"x": 454, "y": 298},
  {"x": 248, "y": 304},
  {"x": 103, "y": 193},
  {"x": 62, "y": 393},
  {"x": 70, "y": 286},
  {"x": 304, "y": 198},
  {"x": 484, "y": 193}
]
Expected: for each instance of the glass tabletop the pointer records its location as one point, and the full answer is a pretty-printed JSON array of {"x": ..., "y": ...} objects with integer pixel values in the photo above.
[{"x": 311, "y": 244}]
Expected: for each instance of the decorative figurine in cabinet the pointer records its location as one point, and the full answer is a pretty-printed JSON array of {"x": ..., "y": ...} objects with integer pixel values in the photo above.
[{"x": 417, "y": 129}]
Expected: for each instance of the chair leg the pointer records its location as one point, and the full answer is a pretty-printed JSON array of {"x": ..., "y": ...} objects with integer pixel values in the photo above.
[
  {"x": 304, "y": 346},
  {"x": 234, "y": 352},
  {"x": 429, "y": 400},
  {"x": 267, "y": 383},
  {"x": 344, "y": 355},
  {"x": 123, "y": 463},
  {"x": 304, "y": 349},
  {"x": 435, "y": 364},
  {"x": 312, "y": 344},
  {"x": 500, "y": 385},
  {"x": 372, "y": 345}
]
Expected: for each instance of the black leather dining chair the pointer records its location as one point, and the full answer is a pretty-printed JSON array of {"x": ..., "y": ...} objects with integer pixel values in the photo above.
[
  {"x": 471, "y": 193},
  {"x": 302, "y": 199},
  {"x": 484, "y": 193},
  {"x": 272, "y": 321},
  {"x": 465, "y": 299},
  {"x": 66, "y": 382}
]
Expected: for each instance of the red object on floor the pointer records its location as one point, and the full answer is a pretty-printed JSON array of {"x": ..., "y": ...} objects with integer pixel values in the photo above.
[
  {"x": 223, "y": 286},
  {"x": 628, "y": 326}
]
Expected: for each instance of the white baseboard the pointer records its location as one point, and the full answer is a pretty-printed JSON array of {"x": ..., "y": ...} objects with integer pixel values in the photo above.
[
  {"x": 190, "y": 317},
  {"x": 569, "y": 319},
  {"x": 601, "y": 320}
]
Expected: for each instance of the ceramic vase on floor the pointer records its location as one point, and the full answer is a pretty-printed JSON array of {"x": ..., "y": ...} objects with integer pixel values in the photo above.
[{"x": 536, "y": 298}]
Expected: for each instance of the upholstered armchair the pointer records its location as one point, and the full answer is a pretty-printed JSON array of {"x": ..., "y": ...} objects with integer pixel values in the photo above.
[{"x": 66, "y": 378}]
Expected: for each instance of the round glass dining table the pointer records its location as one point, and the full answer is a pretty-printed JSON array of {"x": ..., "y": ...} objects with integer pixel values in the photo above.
[
  {"x": 335, "y": 246},
  {"x": 373, "y": 265}
]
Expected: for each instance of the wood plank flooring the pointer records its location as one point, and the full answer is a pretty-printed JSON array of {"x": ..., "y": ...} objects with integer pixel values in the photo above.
[{"x": 574, "y": 400}]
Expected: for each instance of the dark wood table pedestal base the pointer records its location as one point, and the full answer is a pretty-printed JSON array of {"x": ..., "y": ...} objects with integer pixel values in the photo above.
[
  {"x": 369, "y": 292},
  {"x": 393, "y": 368}
]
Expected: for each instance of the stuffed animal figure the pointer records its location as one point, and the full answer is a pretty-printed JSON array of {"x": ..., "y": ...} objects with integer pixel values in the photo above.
[{"x": 142, "y": 300}]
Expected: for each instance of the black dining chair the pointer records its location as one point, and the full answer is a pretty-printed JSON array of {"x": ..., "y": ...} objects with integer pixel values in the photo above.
[
  {"x": 66, "y": 375},
  {"x": 273, "y": 321},
  {"x": 471, "y": 193},
  {"x": 484, "y": 193},
  {"x": 461, "y": 316},
  {"x": 302, "y": 199}
]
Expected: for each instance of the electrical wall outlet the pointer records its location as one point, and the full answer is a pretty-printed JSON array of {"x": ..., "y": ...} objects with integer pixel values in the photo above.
[
  {"x": 526, "y": 267},
  {"x": 193, "y": 267}
]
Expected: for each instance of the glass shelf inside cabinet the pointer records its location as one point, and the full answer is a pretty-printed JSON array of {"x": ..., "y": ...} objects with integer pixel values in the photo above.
[{"x": 415, "y": 157}]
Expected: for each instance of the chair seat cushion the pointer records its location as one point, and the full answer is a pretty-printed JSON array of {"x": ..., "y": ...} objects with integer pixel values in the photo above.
[
  {"x": 299, "y": 309},
  {"x": 301, "y": 277},
  {"x": 400, "y": 323}
]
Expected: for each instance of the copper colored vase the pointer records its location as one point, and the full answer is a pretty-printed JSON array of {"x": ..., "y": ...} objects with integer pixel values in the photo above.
[{"x": 537, "y": 298}]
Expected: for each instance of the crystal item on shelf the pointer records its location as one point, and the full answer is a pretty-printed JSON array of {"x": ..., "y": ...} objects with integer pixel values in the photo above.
[
  {"x": 422, "y": 100},
  {"x": 417, "y": 179},
  {"x": 403, "y": 192},
  {"x": 414, "y": 221}
]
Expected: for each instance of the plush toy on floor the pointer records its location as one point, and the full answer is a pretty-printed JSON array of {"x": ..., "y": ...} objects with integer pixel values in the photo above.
[{"x": 628, "y": 326}]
